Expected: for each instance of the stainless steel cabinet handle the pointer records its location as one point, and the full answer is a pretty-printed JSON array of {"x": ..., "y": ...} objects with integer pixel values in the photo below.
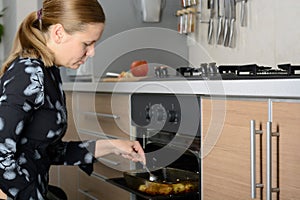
[
  {"x": 270, "y": 189},
  {"x": 103, "y": 115},
  {"x": 254, "y": 184}
]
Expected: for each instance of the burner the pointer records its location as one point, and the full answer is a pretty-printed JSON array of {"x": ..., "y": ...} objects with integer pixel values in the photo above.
[
  {"x": 205, "y": 71},
  {"x": 210, "y": 71},
  {"x": 253, "y": 71},
  {"x": 291, "y": 69}
]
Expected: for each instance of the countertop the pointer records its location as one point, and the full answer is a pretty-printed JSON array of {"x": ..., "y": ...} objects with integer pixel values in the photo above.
[{"x": 276, "y": 88}]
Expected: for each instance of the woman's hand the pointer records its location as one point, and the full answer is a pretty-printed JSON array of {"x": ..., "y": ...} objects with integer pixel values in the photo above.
[{"x": 131, "y": 150}]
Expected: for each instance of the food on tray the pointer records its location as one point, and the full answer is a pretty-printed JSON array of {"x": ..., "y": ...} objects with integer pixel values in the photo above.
[
  {"x": 154, "y": 188},
  {"x": 178, "y": 188},
  {"x": 170, "y": 181}
]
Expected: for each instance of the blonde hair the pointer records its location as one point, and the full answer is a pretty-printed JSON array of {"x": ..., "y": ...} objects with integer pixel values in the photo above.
[{"x": 30, "y": 40}]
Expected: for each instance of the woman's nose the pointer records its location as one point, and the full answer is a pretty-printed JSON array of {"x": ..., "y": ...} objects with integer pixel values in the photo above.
[{"x": 91, "y": 51}]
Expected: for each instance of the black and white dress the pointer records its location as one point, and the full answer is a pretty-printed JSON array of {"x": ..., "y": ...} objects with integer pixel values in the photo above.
[{"x": 33, "y": 120}]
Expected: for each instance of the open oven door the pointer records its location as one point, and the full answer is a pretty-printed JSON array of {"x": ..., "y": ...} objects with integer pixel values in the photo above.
[{"x": 180, "y": 180}]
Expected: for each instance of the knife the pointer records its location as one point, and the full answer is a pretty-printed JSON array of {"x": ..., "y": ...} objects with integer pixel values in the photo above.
[
  {"x": 244, "y": 13},
  {"x": 232, "y": 23},
  {"x": 220, "y": 30},
  {"x": 226, "y": 22},
  {"x": 211, "y": 6}
]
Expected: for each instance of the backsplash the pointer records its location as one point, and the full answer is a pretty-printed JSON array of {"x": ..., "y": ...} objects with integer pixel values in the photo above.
[{"x": 270, "y": 37}]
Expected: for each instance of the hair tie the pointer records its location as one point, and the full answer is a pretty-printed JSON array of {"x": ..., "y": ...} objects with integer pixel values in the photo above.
[{"x": 39, "y": 16}]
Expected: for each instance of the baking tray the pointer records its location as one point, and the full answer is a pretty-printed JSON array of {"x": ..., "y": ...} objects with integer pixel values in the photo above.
[
  {"x": 121, "y": 183},
  {"x": 169, "y": 181}
]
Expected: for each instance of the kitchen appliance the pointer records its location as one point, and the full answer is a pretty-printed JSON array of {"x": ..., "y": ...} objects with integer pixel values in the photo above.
[
  {"x": 168, "y": 127},
  {"x": 253, "y": 71},
  {"x": 211, "y": 71}
]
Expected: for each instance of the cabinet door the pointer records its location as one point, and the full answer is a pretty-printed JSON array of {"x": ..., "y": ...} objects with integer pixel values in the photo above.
[
  {"x": 98, "y": 188},
  {"x": 226, "y": 152},
  {"x": 68, "y": 175},
  {"x": 108, "y": 166},
  {"x": 286, "y": 116},
  {"x": 103, "y": 113}
]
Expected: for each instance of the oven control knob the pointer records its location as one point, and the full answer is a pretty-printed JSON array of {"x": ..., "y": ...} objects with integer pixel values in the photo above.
[
  {"x": 173, "y": 116},
  {"x": 147, "y": 111},
  {"x": 158, "y": 113}
]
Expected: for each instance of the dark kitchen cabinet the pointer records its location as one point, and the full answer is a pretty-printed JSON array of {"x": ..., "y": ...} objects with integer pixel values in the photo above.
[{"x": 226, "y": 151}]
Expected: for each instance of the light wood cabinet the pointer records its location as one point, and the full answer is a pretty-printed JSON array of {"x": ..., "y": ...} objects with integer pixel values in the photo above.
[
  {"x": 108, "y": 166},
  {"x": 104, "y": 114},
  {"x": 226, "y": 158},
  {"x": 95, "y": 116},
  {"x": 286, "y": 116},
  {"x": 227, "y": 170},
  {"x": 66, "y": 177},
  {"x": 98, "y": 188}
]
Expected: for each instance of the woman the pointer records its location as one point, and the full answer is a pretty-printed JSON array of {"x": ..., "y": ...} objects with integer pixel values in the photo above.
[{"x": 33, "y": 117}]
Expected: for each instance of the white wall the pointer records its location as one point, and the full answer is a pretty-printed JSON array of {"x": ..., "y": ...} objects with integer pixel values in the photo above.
[
  {"x": 271, "y": 37},
  {"x": 2, "y": 43},
  {"x": 14, "y": 15}
]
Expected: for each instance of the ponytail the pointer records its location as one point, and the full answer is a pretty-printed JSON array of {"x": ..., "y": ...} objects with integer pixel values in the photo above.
[{"x": 30, "y": 40}]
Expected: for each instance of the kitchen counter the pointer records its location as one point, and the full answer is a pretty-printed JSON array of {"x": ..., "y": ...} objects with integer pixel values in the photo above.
[{"x": 276, "y": 88}]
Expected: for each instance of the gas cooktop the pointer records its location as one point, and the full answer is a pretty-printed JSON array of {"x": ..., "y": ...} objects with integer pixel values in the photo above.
[
  {"x": 211, "y": 71},
  {"x": 254, "y": 71}
]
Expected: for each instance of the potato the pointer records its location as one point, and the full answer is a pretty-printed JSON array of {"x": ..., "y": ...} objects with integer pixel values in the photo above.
[
  {"x": 142, "y": 188},
  {"x": 189, "y": 187},
  {"x": 178, "y": 188},
  {"x": 152, "y": 188},
  {"x": 165, "y": 189}
]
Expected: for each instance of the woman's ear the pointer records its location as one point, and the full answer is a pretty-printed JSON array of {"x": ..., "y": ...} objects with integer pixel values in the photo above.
[{"x": 57, "y": 33}]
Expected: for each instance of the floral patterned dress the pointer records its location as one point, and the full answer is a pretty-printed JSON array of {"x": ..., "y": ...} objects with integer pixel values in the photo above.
[{"x": 33, "y": 120}]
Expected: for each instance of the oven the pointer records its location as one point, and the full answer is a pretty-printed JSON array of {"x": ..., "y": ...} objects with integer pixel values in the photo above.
[{"x": 168, "y": 127}]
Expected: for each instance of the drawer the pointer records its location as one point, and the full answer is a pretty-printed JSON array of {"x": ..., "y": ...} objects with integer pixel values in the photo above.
[
  {"x": 94, "y": 187},
  {"x": 109, "y": 166},
  {"x": 82, "y": 195},
  {"x": 104, "y": 113}
]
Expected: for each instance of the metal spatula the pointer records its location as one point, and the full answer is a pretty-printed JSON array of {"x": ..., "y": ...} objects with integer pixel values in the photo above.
[{"x": 152, "y": 177}]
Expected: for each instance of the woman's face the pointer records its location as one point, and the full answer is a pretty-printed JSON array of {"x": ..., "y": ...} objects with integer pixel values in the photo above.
[{"x": 72, "y": 50}]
